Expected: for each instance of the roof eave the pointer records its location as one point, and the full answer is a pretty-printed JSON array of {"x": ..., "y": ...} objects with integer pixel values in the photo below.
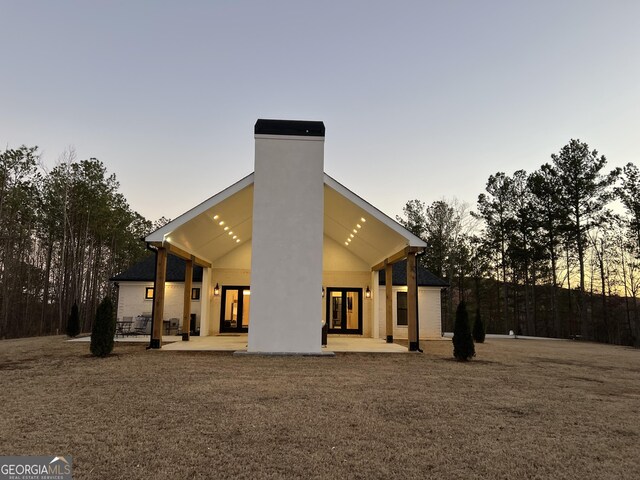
[
  {"x": 158, "y": 235},
  {"x": 412, "y": 240}
]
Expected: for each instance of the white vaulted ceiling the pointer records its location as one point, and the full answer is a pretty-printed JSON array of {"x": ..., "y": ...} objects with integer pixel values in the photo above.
[{"x": 348, "y": 219}]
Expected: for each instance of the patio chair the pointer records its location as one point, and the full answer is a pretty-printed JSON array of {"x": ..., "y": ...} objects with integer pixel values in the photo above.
[
  {"x": 119, "y": 328},
  {"x": 123, "y": 327},
  {"x": 174, "y": 324},
  {"x": 142, "y": 325},
  {"x": 127, "y": 325}
]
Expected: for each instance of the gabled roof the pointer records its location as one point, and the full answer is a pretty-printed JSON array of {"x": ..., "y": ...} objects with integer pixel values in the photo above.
[
  {"x": 201, "y": 230},
  {"x": 380, "y": 239},
  {"x": 225, "y": 221},
  {"x": 144, "y": 271},
  {"x": 425, "y": 277}
]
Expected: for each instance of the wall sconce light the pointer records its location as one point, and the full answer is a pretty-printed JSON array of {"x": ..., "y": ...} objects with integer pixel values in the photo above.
[
  {"x": 216, "y": 290},
  {"x": 367, "y": 292}
]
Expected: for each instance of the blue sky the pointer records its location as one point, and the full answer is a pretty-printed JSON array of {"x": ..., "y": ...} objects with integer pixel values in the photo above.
[{"x": 420, "y": 99}]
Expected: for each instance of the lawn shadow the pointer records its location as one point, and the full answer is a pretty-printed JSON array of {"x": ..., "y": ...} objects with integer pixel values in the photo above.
[{"x": 473, "y": 360}]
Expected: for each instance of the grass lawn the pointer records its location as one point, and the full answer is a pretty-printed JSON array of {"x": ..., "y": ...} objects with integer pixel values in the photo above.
[{"x": 521, "y": 409}]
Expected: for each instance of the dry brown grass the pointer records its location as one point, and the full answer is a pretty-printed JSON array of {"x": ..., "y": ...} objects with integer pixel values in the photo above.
[{"x": 521, "y": 409}]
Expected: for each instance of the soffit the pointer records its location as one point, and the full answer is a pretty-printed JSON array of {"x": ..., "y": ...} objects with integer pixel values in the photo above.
[
  {"x": 218, "y": 229},
  {"x": 358, "y": 230},
  {"x": 200, "y": 232}
]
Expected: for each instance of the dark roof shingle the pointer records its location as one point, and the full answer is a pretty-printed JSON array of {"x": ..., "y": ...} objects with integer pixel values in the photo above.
[
  {"x": 425, "y": 277},
  {"x": 144, "y": 270}
]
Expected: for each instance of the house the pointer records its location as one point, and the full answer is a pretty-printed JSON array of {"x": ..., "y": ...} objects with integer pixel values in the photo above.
[
  {"x": 429, "y": 303},
  {"x": 135, "y": 295},
  {"x": 135, "y": 291},
  {"x": 286, "y": 248}
]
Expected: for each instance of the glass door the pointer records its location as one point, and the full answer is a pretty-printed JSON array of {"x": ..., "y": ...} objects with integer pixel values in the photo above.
[
  {"x": 235, "y": 308},
  {"x": 344, "y": 310}
]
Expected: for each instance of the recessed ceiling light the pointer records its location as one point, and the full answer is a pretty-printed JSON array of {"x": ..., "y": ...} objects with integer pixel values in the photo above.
[
  {"x": 230, "y": 233},
  {"x": 349, "y": 240},
  {"x": 351, "y": 235},
  {"x": 238, "y": 241},
  {"x": 226, "y": 228},
  {"x": 355, "y": 231},
  {"x": 362, "y": 219},
  {"x": 220, "y": 222},
  {"x": 358, "y": 225},
  {"x": 215, "y": 217},
  {"x": 346, "y": 243}
]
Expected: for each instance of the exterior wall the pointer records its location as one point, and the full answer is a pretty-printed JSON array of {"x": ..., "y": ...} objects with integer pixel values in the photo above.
[
  {"x": 205, "y": 296},
  {"x": 341, "y": 268},
  {"x": 375, "y": 304},
  {"x": 238, "y": 258},
  {"x": 286, "y": 256},
  {"x": 224, "y": 277},
  {"x": 232, "y": 269},
  {"x": 336, "y": 257},
  {"x": 353, "y": 280},
  {"x": 131, "y": 301},
  {"x": 429, "y": 313}
]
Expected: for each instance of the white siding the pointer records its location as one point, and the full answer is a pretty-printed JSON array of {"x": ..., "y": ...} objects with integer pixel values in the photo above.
[
  {"x": 224, "y": 277},
  {"x": 131, "y": 301},
  {"x": 429, "y": 313}
]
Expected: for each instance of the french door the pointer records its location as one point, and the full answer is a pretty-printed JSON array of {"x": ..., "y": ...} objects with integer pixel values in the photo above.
[
  {"x": 235, "y": 308},
  {"x": 344, "y": 310}
]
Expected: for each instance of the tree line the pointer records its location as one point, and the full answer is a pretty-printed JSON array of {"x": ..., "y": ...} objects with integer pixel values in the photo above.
[
  {"x": 554, "y": 252},
  {"x": 63, "y": 233}
]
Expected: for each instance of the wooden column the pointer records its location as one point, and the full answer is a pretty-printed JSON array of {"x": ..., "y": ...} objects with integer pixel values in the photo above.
[
  {"x": 412, "y": 302},
  {"x": 388, "y": 288},
  {"x": 158, "y": 297},
  {"x": 186, "y": 310}
]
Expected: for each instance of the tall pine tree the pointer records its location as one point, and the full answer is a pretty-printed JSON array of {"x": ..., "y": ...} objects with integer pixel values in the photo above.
[{"x": 585, "y": 194}]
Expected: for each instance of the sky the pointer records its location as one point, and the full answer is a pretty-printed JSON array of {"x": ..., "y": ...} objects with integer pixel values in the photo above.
[{"x": 420, "y": 99}]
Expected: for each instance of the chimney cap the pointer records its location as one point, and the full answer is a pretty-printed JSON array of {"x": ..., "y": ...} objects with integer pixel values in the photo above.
[{"x": 301, "y": 128}]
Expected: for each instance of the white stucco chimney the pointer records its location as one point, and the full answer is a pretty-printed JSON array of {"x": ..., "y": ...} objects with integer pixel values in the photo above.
[{"x": 286, "y": 257}]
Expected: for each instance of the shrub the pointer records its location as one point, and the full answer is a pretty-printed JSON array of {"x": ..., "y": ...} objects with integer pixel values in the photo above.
[
  {"x": 478, "y": 328},
  {"x": 73, "y": 322},
  {"x": 463, "y": 348},
  {"x": 104, "y": 329}
]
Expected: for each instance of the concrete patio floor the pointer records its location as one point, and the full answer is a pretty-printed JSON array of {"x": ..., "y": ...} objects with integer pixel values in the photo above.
[{"x": 238, "y": 343}]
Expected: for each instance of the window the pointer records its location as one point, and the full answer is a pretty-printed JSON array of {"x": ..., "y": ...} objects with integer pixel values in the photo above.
[
  {"x": 195, "y": 294},
  {"x": 402, "y": 309},
  {"x": 148, "y": 293}
]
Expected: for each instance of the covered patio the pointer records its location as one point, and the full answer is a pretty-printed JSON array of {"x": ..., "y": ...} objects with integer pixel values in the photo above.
[
  {"x": 238, "y": 343},
  {"x": 355, "y": 234},
  {"x": 274, "y": 241}
]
